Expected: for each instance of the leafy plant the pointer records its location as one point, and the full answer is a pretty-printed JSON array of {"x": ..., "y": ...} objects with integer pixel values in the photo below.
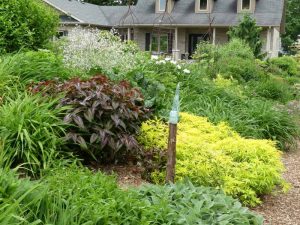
[
  {"x": 217, "y": 156},
  {"x": 287, "y": 64},
  {"x": 272, "y": 88},
  {"x": 91, "y": 49},
  {"x": 104, "y": 117},
  {"x": 31, "y": 131},
  {"x": 18, "y": 199},
  {"x": 26, "y": 24},
  {"x": 185, "y": 203},
  {"x": 233, "y": 60},
  {"x": 74, "y": 196},
  {"x": 248, "y": 31}
]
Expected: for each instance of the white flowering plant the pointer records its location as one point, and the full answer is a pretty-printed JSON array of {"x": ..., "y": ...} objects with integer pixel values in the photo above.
[
  {"x": 158, "y": 78},
  {"x": 87, "y": 49}
]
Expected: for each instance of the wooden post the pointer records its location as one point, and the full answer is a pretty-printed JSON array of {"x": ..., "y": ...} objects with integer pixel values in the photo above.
[
  {"x": 171, "y": 154},
  {"x": 170, "y": 177}
]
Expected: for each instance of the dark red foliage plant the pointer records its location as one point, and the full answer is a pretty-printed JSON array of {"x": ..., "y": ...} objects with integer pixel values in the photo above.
[{"x": 104, "y": 116}]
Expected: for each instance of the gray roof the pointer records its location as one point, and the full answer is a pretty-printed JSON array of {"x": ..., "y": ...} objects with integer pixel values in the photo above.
[
  {"x": 267, "y": 13},
  {"x": 85, "y": 13}
]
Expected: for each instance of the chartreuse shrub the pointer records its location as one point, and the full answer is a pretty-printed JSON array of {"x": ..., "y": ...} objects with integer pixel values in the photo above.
[
  {"x": 103, "y": 117},
  {"x": 31, "y": 131},
  {"x": 216, "y": 156},
  {"x": 76, "y": 196}
]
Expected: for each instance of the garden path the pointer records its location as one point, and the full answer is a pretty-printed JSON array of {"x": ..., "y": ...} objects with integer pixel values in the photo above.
[{"x": 284, "y": 209}]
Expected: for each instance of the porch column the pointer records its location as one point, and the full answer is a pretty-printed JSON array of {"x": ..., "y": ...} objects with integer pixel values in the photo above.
[
  {"x": 175, "y": 51},
  {"x": 275, "y": 42},
  {"x": 268, "y": 44},
  {"x": 128, "y": 34},
  {"x": 214, "y": 36}
]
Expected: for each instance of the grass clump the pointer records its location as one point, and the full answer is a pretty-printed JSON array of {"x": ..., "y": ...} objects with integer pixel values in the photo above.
[
  {"x": 217, "y": 156},
  {"x": 31, "y": 131}
]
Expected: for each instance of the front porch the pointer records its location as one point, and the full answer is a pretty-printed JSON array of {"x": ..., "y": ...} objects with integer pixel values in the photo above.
[
  {"x": 178, "y": 42},
  {"x": 181, "y": 42}
]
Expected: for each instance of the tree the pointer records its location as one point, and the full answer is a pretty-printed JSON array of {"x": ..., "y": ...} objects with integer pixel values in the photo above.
[
  {"x": 292, "y": 28},
  {"x": 25, "y": 24},
  {"x": 248, "y": 31}
]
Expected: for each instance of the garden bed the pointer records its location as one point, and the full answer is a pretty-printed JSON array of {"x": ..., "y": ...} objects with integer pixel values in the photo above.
[{"x": 284, "y": 209}]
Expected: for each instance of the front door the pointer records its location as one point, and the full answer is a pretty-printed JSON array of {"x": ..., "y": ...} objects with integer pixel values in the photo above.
[{"x": 194, "y": 40}]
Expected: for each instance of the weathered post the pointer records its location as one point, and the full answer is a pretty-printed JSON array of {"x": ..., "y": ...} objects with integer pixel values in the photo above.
[{"x": 171, "y": 154}]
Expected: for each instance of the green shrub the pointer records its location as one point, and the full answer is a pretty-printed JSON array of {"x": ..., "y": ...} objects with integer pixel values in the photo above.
[
  {"x": 250, "y": 33},
  {"x": 237, "y": 60},
  {"x": 157, "y": 80},
  {"x": 287, "y": 64},
  {"x": 33, "y": 66},
  {"x": 217, "y": 156},
  {"x": 103, "y": 116},
  {"x": 273, "y": 89},
  {"x": 31, "y": 131},
  {"x": 233, "y": 60},
  {"x": 251, "y": 117},
  {"x": 26, "y": 24}
]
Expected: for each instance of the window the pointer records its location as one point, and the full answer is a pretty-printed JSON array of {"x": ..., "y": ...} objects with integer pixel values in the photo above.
[
  {"x": 62, "y": 33},
  {"x": 162, "y": 5},
  {"x": 203, "y": 5},
  {"x": 246, "y": 4},
  {"x": 159, "y": 43}
]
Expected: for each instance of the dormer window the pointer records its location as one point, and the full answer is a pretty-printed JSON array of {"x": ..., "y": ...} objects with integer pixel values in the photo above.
[
  {"x": 203, "y": 5},
  {"x": 246, "y": 5},
  {"x": 162, "y": 5}
]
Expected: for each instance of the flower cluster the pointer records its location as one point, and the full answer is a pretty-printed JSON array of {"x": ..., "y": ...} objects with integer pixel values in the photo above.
[
  {"x": 86, "y": 49},
  {"x": 163, "y": 61}
]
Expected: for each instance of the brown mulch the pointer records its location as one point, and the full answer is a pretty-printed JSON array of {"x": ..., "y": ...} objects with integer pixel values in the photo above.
[
  {"x": 284, "y": 209},
  {"x": 127, "y": 175}
]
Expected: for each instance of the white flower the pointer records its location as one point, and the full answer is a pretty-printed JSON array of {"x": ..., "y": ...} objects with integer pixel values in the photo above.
[
  {"x": 186, "y": 71},
  {"x": 173, "y": 62},
  {"x": 168, "y": 59},
  {"x": 154, "y": 57},
  {"x": 178, "y": 67},
  {"x": 89, "y": 48}
]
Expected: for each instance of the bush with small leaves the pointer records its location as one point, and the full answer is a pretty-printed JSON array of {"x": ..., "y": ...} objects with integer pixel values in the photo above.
[{"x": 217, "y": 156}]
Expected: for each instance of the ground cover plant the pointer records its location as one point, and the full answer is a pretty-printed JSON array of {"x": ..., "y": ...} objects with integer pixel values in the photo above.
[
  {"x": 215, "y": 155},
  {"x": 73, "y": 196}
]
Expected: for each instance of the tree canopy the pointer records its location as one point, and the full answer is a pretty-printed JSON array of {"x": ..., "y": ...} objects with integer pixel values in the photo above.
[
  {"x": 292, "y": 23},
  {"x": 25, "y": 24},
  {"x": 248, "y": 31}
]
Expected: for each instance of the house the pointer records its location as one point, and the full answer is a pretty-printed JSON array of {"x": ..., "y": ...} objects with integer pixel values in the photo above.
[{"x": 176, "y": 26}]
